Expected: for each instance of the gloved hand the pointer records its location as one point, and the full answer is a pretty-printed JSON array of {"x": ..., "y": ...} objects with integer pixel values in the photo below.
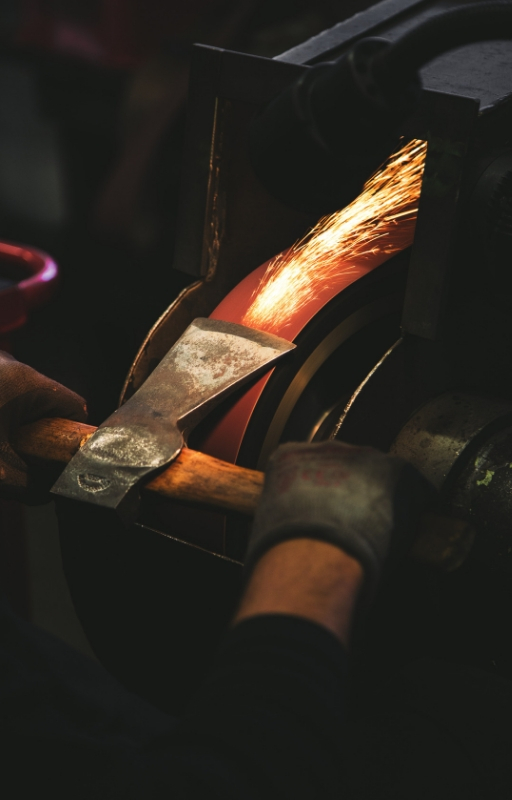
[
  {"x": 25, "y": 396},
  {"x": 358, "y": 498}
]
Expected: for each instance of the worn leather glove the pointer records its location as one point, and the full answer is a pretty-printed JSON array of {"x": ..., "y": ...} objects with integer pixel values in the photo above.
[
  {"x": 25, "y": 396},
  {"x": 358, "y": 498}
]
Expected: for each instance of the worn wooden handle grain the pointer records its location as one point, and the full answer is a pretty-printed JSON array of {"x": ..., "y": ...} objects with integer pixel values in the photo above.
[
  {"x": 193, "y": 477},
  {"x": 203, "y": 480}
]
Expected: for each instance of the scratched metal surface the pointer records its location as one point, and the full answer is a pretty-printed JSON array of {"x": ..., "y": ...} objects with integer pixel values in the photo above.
[{"x": 211, "y": 360}]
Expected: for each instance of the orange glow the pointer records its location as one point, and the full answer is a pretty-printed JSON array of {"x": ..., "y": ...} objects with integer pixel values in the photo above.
[{"x": 377, "y": 224}]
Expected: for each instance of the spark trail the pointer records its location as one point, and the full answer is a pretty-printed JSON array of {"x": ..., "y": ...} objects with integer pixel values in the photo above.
[{"x": 377, "y": 224}]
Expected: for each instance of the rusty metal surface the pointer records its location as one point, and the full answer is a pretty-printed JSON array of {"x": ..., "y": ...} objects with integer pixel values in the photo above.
[
  {"x": 482, "y": 495},
  {"x": 440, "y": 432},
  {"x": 463, "y": 443},
  {"x": 208, "y": 362}
]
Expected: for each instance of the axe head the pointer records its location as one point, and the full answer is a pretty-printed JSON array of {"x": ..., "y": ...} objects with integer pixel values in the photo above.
[{"x": 210, "y": 361}]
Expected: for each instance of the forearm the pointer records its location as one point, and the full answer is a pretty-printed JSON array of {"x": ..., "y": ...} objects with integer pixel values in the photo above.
[
  {"x": 269, "y": 721},
  {"x": 305, "y": 578},
  {"x": 271, "y": 715}
]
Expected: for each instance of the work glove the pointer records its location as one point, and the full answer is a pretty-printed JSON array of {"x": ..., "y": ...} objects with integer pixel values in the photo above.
[
  {"x": 358, "y": 498},
  {"x": 25, "y": 396}
]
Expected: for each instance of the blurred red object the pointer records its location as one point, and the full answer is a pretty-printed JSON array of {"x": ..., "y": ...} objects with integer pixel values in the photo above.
[{"x": 27, "y": 279}]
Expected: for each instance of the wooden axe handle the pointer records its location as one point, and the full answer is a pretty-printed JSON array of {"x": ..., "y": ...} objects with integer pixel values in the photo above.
[
  {"x": 193, "y": 477},
  {"x": 201, "y": 479}
]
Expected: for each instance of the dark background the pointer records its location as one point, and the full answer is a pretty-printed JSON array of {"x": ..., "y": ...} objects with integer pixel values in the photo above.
[
  {"x": 92, "y": 116},
  {"x": 92, "y": 111}
]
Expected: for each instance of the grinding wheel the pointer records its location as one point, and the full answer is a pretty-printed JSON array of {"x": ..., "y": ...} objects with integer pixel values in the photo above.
[{"x": 154, "y": 598}]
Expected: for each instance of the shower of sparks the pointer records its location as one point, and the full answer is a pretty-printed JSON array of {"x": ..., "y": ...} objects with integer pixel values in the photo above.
[{"x": 379, "y": 222}]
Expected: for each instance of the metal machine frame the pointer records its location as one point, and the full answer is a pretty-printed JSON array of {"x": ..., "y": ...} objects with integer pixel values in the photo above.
[{"x": 228, "y": 226}]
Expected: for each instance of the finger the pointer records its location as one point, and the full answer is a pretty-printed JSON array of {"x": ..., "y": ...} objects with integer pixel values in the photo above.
[
  {"x": 13, "y": 473},
  {"x": 49, "y": 400}
]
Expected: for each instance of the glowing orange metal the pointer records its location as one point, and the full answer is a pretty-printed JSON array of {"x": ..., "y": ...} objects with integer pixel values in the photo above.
[{"x": 380, "y": 221}]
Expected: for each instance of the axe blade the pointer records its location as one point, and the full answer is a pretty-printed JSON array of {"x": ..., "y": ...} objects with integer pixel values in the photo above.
[{"x": 210, "y": 361}]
